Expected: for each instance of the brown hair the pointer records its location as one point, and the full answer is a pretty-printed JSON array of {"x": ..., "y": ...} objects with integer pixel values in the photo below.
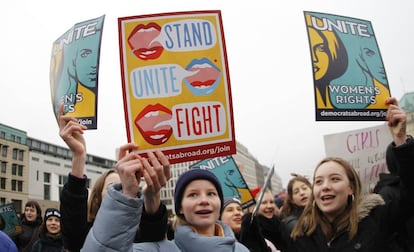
[
  {"x": 289, "y": 207},
  {"x": 34, "y": 204},
  {"x": 43, "y": 228},
  {"x": 95, "y": 199},
  {"x": 312, "y": 216}
]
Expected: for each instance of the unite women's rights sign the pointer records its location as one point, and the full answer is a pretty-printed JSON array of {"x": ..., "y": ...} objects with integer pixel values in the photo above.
[
  {"x": 349, "y": 76},
  {"x": 176, "y": 84},
  {"x": 74, "y": 71}
]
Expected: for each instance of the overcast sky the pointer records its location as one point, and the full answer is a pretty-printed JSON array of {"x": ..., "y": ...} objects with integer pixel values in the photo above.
[{"x": 269, "y": 62}]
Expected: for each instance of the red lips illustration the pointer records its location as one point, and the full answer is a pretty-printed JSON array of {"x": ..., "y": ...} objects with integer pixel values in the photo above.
[
  {"x": 152, "y": 123},
  {"x": 141, "y": 41}
]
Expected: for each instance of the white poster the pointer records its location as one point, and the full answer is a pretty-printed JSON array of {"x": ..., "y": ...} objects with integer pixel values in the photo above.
[{"x": 365, "y": 149}]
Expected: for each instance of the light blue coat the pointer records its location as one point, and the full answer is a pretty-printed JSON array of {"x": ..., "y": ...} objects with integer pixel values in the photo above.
[
  {"x": 118, "y": 220},
  {"x": 187, "y": 240}
]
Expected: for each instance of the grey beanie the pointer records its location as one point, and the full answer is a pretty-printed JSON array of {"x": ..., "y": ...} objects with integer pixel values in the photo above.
[{"x": 229, "y": 200}]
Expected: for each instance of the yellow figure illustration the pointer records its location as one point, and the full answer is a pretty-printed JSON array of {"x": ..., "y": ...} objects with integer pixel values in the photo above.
[{"x": 329, "y": 62}]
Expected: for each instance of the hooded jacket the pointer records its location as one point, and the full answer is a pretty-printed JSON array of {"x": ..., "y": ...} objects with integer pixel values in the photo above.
[
  {"x": 371, "y": 229},
  {"x": 119, "y": 235},
  {"x": 377, "y": 219},
  {"x": 185, "y": 239}
]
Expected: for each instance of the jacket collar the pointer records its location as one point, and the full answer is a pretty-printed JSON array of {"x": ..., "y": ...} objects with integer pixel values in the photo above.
[{"x": 369, "y": 202}]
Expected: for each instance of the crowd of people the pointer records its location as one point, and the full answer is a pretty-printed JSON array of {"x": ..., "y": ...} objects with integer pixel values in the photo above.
[
  {"x": 327, "y": 213},
  {"x": 39, "y": 233}
]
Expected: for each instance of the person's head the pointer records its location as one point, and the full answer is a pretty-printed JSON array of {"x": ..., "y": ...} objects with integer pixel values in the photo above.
[
  {"x": 280, "y": 199},
  {"x": 99, "y": 191},
  {"x": 32, "y": 212},
  {"x": 335, "y": 197},
  {"x": 335, "y": 185},
  {"x": 198, "y": 199},
  {"x": 268, "y": 206},
  {"x": 51, "y": 224},
  {"x": 299, "y": 191},
  {"x": 232, "y": 213}
]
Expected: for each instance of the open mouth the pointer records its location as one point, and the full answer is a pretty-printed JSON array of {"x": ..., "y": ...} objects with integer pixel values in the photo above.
[
  {"x": 153, "y": 124},
  {"x": 327, "y": 198},
  {"x": 203, "y": 212},
  {"x": 206, "y": 79},
  {"x": 141, "y": 41}
]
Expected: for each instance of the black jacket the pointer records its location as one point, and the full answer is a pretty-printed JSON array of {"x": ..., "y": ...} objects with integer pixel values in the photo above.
[
  {"x": 291, "y": 220},
  {"x": 377, "y": 219},
  {"x": 48, "y": 244},
  {"x": 74, "y": 211},
  {"x": 371, "y": 236},
  {"x": 388, "y": 187},
  {"x": 29, "y": 235},
  {"x": 251, "y": 235}
]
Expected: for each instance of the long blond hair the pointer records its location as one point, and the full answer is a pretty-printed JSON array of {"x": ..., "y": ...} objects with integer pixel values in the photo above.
[
  {"x": 312, "y": 216},
  {"x": 95, "y": 199}
]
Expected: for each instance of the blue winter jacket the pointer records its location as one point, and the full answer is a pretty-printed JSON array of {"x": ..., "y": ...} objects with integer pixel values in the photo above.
[{"x": 118, "y": 220}]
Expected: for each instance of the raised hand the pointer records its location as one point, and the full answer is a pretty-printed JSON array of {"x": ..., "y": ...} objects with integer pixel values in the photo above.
[
  {"x": 71, "y": 133},
  {"x": 130, "y": 169},
  {"x": 397, "y": 121},
  {"x": 156, "y": 175}
]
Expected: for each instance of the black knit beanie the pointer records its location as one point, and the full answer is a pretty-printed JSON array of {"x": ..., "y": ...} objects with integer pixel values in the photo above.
[
  {"x": 51, "y": 212},
  {"x": 187, "y": 177}
]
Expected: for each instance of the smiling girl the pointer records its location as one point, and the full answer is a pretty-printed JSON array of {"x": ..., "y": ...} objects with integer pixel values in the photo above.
[{"x": 50, "y": 238}]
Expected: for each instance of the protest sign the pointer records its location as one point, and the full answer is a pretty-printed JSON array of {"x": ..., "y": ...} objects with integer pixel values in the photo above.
[
  {"x": 176, "y": 84},
  {"x": 365, "y": 149},
  {"x": 74, "y": 68},
  {"x": 10, "y": 222},
  {"x": 232, "y": 181},
  {"x": 349, "y": 76}
]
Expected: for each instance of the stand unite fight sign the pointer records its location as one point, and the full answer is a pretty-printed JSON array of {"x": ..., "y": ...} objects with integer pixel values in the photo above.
[{"x": 176, "y": 84}]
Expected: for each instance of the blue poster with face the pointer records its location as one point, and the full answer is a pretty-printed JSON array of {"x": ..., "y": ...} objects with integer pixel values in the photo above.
[
  {"x": 348, "y": 72},
  {"x": 74, "y": 69},
  {"x": 232, "y": 181},
  {"x": 9, "y": 221}
]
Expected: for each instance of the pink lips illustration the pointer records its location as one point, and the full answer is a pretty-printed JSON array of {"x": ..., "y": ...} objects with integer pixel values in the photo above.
[
  {"x": 140, "y": 41},
  {"x": 206, "y": 77},
  {"x": 152, "y": 124}
]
